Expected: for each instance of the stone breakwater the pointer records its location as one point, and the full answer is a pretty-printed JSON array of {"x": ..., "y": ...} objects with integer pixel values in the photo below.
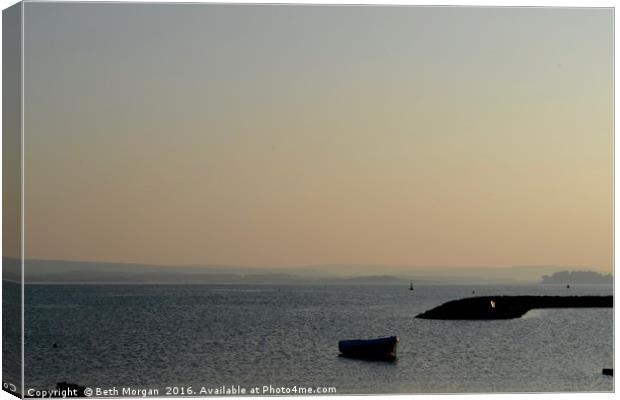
[{"x": 507, "y": 307}]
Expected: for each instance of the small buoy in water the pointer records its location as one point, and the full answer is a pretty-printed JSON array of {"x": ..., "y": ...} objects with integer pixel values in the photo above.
[
  {"x": 473, "y": 292},
  {"x": 567, "y": 286},
  {"x": 608, "y": 371},
  {"x": 55, "y": 346}
]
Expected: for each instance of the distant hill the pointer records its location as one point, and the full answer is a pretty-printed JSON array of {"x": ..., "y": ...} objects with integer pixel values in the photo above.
[
  {"x": 563, "y": 277},
  {"x": 63, "y": 271}
]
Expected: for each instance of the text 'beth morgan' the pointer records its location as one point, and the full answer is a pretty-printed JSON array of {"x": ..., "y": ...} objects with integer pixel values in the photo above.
[{"x": 124, "y": 391}]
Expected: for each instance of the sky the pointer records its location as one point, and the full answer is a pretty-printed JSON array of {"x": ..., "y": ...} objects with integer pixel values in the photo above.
[{"x": 266, "y": 135}]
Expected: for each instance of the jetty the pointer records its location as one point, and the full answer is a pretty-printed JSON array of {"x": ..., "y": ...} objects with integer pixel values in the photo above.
[{"x": 507, "y": 307}]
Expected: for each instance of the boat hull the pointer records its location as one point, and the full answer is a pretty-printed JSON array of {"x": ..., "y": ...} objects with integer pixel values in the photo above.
[{"x": 370, "y": 349}]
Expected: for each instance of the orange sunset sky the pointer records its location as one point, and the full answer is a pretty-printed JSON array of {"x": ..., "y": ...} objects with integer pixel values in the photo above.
[{"x": 267, "y": 135}]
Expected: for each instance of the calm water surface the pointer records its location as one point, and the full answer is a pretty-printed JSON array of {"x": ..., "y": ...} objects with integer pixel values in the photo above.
[{"x": 212, "y": 335}]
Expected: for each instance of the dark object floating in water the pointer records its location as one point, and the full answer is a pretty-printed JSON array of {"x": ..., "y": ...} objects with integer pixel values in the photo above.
[
  {"x": 411, "y": 285},
  {"x": 506, "y": 307},
  {"x": 567, "y": 286},
  {"x": 55, "y": 345},
  {"x": 608, "y": 371},
  {"x": 370, "y": 349}
]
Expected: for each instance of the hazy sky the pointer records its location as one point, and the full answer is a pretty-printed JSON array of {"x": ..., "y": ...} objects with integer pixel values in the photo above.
[{"x": 293, "y": 135}]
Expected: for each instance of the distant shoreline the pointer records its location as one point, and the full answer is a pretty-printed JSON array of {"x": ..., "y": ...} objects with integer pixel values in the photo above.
[
  {"x": 59, "y": 271},
  {"x": 396, "y": 285}
]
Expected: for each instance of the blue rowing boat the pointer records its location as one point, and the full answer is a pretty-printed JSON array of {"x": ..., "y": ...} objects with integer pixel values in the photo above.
[{"x": 370, "y": 349}]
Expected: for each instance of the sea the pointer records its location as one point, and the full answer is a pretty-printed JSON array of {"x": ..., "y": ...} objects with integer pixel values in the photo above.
[{"x": 286, "y": 337}]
